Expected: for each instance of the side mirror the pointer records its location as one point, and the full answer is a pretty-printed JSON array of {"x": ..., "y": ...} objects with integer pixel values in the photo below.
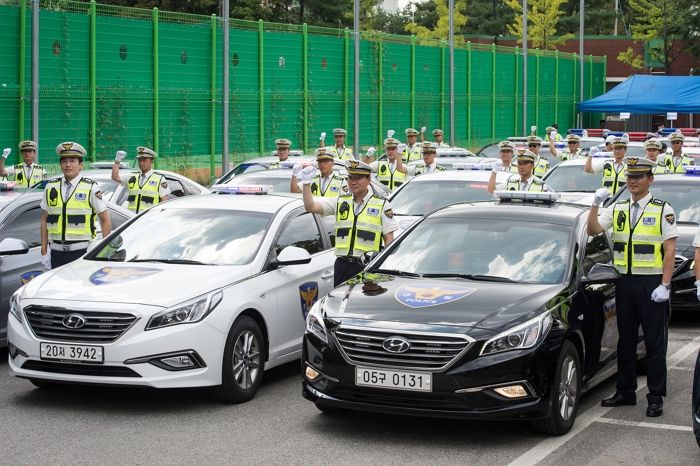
[
  {"x": 601, "y": 274},
  {"x": 292, "y": 255},
  {"x": 13, "y": 247},
  {"x": 368, "y": 256}
]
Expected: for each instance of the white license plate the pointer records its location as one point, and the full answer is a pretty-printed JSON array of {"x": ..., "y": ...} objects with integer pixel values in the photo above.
[
  {"x": 81, "y": 353},
  {"x": 399, "y": 380}
]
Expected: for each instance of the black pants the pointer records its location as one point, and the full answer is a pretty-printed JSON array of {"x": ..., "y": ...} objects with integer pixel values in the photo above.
[
  {"x": 59, "y": 258},
  {"x": 344, "y": 269},
  {"x": 635, "y": 307}
]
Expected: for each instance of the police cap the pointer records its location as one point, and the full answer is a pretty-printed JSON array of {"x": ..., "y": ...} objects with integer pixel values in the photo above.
[
  {"x": 411, "y": 132},
  {"x": 573, "y": 138},
  {"x": 506, "y": 145},
  {"x": 639, "y": 165},
  {"x": 283, "y": 143},
  {"x": 619, "y": 142},
  {"x": 27, "y": 145},
  {"x": 339, "y": 132},
  {"x": 534, "y": 140},
  {"x": 677, "y": 136},
  {"x": 437, "y": 132},
  {"x": 70, "y": 149},
  {"x": 145, "y": 153},
  {"x": 391, "y": 142},
  {"x": 653, "y": 144},
  {"x": 322, "y": 155},
  {"x": 429, "y": 148},
  {"x": 356, "y": 167},
  {"x": 526, "y": 155}
]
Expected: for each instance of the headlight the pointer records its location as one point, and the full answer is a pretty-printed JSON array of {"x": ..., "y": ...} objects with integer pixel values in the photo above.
[
  {"x": 314, "y": 322},
  {"x": 15, "y": 308},
  {"x": 188, "y": 312},
  {"x": 523, "y": 336}
]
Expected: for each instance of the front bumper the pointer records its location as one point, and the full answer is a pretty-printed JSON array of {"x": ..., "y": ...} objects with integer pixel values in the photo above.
[{"x": 206, "y": 342}]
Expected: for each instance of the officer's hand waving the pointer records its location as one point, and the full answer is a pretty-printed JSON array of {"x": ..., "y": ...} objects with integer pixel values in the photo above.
[
  {"x": 296, "y": 171},
  {"x": 600, "y": 196},
  {"x": 323, "y": 136},
  {"x": 6, "y": 152},
  {"x": 371, "y": 151},
  {"x": 46, "y": 260},
  {"x": 308, "y": 174},
  {"x": 121, "y": 155},
  {"x": 660, "y": 294}
]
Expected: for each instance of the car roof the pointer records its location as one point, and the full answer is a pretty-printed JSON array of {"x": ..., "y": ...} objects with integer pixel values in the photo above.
[
  {"x": 267, "y": 203},
  {"x": 457, "y": 175},
  {"x": 557, "y": 212}
]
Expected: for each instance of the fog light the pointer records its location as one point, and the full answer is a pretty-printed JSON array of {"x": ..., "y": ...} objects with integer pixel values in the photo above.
[
  {"x": 14, "y": 351},
  {"x": 311, "y": 373},
  {"x": 178, "y": 362},
  {"x": 511, "y": 391}
]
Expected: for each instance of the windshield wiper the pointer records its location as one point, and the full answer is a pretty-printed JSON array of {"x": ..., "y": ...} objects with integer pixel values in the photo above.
[
  {"x": 170, "y": 261},
  {"x": 469, "y": 276},
  {"x": 400, "y": 273}
]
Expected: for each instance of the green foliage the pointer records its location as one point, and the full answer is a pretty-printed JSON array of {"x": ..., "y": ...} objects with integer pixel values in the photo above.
[
  {"x": 441, "y": 29},
  {"x": 543, "y": 17},
  {"x": 488, "y": 17}
]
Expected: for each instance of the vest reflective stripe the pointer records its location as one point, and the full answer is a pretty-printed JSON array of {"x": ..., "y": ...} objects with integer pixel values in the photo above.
[
  {"x": 414, "y": 153},
  {"x": 660, "y": 169},
  {"x": 74, "y": 219},
  {"x": 611, "y": 179},
  {"x": 420, "y": 169},
  {"x": 638, "y": 250},
  {"x": 20, "y": 177},
  {"x": 513, "y": 184},
  {"x": 566, "y": 155},
  {"x": 680, "y": 168},
  {"x": 144, "y": 197},
  {"x": 355, "y": 235},
  {"x": 541, "y": 167},
  {"x": 334, "y": 187},
  {"x": 387, "y": 178},
  {"x": 344, "y": 153},
  {"x": 512, "y": 168}
]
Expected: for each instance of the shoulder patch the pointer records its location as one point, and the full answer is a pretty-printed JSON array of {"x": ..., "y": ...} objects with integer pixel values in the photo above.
[
  {"x": 670, "y": 218},
  {"x": 38, "y": 166},
  {"x": 657, "y": 201},
  {"x": 98, "y": 194},
  {"x": 88, "y": 180},
  {"x": 164, "y": 184},
  {"x": 626, "y": 201},
  {"x": 389, "y": 213}
]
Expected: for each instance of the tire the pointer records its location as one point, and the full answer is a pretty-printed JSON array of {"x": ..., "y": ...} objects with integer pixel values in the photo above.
[
  {"x": 565, "y": 393},
  {"x": 45, "y": 384},
  {"x": 697, "y": 437},
  {"x": 243, "y": 362}
]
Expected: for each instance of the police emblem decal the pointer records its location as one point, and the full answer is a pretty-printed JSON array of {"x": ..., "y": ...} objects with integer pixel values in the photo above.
[
  {"x": 111, "y": 275},
  {"x": 417, "y": 296},
  {"x": 79, "y": 196},
  {"x": 372, "y": 211},
  {"x": 308, "y": 294},
  {"x": 26, "y": 277},
  {"x": 648, "y": 221},
  {"x": 670, "y": 218}
]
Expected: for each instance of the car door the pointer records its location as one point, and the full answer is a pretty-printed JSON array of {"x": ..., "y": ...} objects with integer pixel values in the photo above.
[{"x": 297, "y": 287}]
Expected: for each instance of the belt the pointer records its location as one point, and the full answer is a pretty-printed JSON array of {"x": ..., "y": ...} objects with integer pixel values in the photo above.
[
  {"x": 351, "y": 259},
  {"x": 68, "y": 245}
]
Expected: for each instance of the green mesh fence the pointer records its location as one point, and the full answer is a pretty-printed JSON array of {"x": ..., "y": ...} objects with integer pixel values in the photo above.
[{"x": 115, "y": 78}]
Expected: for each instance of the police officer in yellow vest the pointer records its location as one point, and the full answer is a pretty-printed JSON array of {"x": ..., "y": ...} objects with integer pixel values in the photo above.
[
  {"x": 362, "y": 220},
  {"x": 412, "y": 150},
  {"x": 507, "y": 163},
  {"x": 677, "y": 160},
  {"x": 653, "y": 149},
  {"x": 534, "y": 144},
  {"x": 282, "y": 151},
  {"x": 428, "y": 165},
  {"x": 524, "y": 180},
  {"x": 339, "y": 150},
  {"x": 643, "y": 232},
  {"x": 614, "y": 169},
  {"x": 573, "y": 141},
  {"x": 23, "y": 174},
  {"x": 390, "y": 172},
  {"x": 69, "y": 206},
  {"x": 146, "y": 189},
  {"x": 327, "y": 183}
]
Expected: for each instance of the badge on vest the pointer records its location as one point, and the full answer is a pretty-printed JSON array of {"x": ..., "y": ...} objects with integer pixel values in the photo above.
[
  {"x": 334, "y": 189},
  {"x": 153, "y": 182},
  {"x": 372, "y": 211},
  {"x": 79, "y": 196},
  {"x": 648, "y": 221}
]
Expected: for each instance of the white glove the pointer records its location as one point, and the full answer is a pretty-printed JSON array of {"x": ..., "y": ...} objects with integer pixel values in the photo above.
[
  {"x": 390, "y": 133},
  {"x": 308, "y": 174},
  {"x": 497, "y": 166},
  {"x": 533, "y": 129},
  {"x": 552, "y": 135},
  {"x": 6, "y": 152},
  {"x": 697, "y": 285},
  {"x": 323, "y": 136},
  {"x": 297, "y": 170},
  {"x": 660, "y": 294},
  {"x": 422, "y": 130},
  {"x": 371, "y": 151},
  {"x": 600, "y": 196},
  {"x": 46, "y": 260},
  {"x": 121, "y": 155},
  {"x": 593, "y": 151}
]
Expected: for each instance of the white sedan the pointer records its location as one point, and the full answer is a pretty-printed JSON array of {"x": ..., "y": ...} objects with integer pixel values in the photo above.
[{"x": 201, "y": 291}]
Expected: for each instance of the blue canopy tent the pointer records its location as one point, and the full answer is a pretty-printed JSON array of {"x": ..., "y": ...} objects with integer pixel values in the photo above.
[{"x": 649, "y": 94}]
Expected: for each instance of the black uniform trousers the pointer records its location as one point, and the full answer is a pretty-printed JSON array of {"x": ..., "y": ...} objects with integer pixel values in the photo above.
[
  {"x": 346, "y": 267},
  {"x": 59, "y": 258},
  {"x": 635, "y": 308}
]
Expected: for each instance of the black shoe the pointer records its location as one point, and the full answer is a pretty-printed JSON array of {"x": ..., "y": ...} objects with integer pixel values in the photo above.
[
  {"x": 655, "y": 409},
  {"x": 619, "y": 400}
]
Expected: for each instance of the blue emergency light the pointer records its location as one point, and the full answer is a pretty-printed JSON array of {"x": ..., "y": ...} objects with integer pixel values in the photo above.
[
  {"x": 242, "y": 189},
  {"x": 692, "y": 170},
  {"x": 7, "y": 185}
]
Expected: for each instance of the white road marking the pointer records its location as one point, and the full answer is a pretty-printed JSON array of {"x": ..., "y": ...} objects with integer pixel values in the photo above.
[
  {"x": 652, "y": 425},
  {"x": 683, "y": 368},
  {"x": 550, "y": 445}
]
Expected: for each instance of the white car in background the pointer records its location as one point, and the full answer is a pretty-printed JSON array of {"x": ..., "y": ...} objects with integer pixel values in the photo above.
[
  {"x": 575, "y": 185},
  {"x": 203, "y": 291}
]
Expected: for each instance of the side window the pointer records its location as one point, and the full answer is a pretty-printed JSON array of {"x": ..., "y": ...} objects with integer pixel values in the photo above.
[
  {"x": 176, "y": 189},
  {"x": 24, "y": 226},
  {"x": 597, "y": 252},
  {"x": 117, "y": 219},
  {"x": 301, "y": 232}
]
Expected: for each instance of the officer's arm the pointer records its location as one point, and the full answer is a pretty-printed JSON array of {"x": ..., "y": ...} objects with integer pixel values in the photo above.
[
  {"x": 492, "y": 183},
  {"x": 3, "y": 170},
  {"x": 105, "y": 223},
  {"x": 588, "y": 166},
  {"x": 115, "y": 172},
  {"x": 294, "y": 185},
  {"x": 400, "y": 167},
  {"x": 593, "y": 227},
  {"x": 697, "y": 261},
  {"x": 388, "y": 238},
  {"x": 44, "y": 232},
  {"x": 309, "y": 203},
  {"x": 669, "y": 259},
  {"x": 552, "y": 147}
]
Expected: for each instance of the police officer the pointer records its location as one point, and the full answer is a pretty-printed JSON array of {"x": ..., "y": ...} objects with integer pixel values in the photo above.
[
  {"x": 534, "y": 144},
  {"x": 429, "y": 150},
  {"x": 524, "y": 180},
  {"x": 573, "y": 152},
  {"x": 677, "y": 160},
  {"x": 553, "y": 133},
  {"x": 390, "y": 172},
  {"x": 644, "y": 245},
  {"x": 362, "y": 220},
  {"x": 507, "y": 163},
  {"x": 146, "y": 189},
  {"x": 439, "y": 138},
  {"x": 614, "y": 169},
  {"x": 696, "y": 244},
  {"x": 339, "y": 150},
  {"x": 327, "y": 183},
  {"x": 69, "y": 206},
  {"x": 23, "y": 174},
  {"x": 412, "y": 150},
  {"x": 653, "y": 149},
  {"x": 282, "y": 152}
]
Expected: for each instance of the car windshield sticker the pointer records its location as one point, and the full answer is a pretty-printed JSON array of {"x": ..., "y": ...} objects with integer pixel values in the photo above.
[
  {"x": 110, "y": 275},
  {"x": 27, "y": 277},
  {"x": 308, "y": 293},
  {"x": 430, "y": 295}
]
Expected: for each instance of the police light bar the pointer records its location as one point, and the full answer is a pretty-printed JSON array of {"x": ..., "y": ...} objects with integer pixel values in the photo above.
[
  {"x": 242, "y": 189},
  {"x": 692, "y": 170},
  {"x": 7, "y": 185},
  {"x": 560, "y": 145},
  {"x": 527, "y": 196},
  {"x": 473, "y": 166}
]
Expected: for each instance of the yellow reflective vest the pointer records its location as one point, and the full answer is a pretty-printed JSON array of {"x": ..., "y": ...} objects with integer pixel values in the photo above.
[
  {"x": 566, "y": 155},
  {"x": 342, "y": 153},
  {"x": 388, "y": 178},
  {"x": 683, "y": 162},
  {"x": 541, "y": 167},
  {"x": 72, "y": 219},
  {"x": 638, "y": 249},
  {"x": 412, "y": 153},
  {"x": 613, "y": 180},
  {"x": 421, "y": 168},
  {"x": 142, "y": 198},
  {"x": 20, "y": 177},
  {"x": 358, "y": 234},
  {"x": 334, "y": 187},
  {"x": 535, "y": 185}
]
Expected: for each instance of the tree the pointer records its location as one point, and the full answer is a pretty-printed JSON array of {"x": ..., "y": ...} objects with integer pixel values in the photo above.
[
  {"x": 441, "y": 29},
  {"x": 543, "y": 17},
  {"x": 669, "y": 28},
  {"x": 488, "y": 17}
]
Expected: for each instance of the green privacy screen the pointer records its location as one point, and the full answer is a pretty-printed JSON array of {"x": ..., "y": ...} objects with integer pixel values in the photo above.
[{"x": 115, "y": 78}]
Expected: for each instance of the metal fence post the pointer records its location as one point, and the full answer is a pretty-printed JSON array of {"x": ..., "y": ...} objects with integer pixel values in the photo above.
[
  {"x": 517, "y": 89},
  {"x": 346, "y": 78},
  {"x": 35, "y": 73},
  {"x": 469, "y": 94},
  {"x": 156, "y": 86},
  {"x": 537, "y": 86},
  {"x": 380, "y": 88},
  {"x": 556, "y": 86},
  {"x": 442, "y": 84},
  {"x": 93, "y": 81},
  {"x": 212, "y": 110},
  {"x": 412, "y": 123},
  {"x": 493, "y": 91},
  {"x": 261, "y": 86},
  {"x": 21, "y": 75},
  {"x": 305, "y": 71}
]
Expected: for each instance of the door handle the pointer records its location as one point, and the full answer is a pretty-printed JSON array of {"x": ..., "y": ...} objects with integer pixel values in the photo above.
[{"x": 327, "y": 275}]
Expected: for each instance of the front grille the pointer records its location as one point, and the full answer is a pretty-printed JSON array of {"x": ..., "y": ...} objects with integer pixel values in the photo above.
[
  {"x": 679, "y": 262},
  {"x": 428, "y": 351},
  {"x": 404, "y": 399},
  {"x": 100, "y": 327},
  {"x": 79, "y": 369}
]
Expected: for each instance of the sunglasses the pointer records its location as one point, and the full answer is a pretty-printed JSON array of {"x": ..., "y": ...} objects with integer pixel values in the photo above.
[
  {"x": 533, "y": 145},
  {"x": 573, "y": 143},
  {"x": 675, "y": 142}
]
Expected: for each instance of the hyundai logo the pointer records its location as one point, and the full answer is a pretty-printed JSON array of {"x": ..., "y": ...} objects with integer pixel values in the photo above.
[
  {"x": 396, "y": 345},
  {"x": 74, "y": 321}
]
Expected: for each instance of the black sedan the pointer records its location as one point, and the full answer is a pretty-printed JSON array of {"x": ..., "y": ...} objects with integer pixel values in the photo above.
[
  {"x": 696, "y": 400},
  {"x": 487, "y": 310}
]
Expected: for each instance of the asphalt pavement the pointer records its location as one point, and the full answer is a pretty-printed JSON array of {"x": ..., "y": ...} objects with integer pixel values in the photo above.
[{"x": 93, "y": 425}]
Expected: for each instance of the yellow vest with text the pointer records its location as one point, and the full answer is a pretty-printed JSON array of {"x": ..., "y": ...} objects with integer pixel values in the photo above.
[
  {"x": 638, "y": 250},
  {"x": 388, "y": 178},
  {"x": 71, "y": 220},
  {"x": 541, "y": 167},
  {"x": 566, "y": 155},
  {"x": 21, "y": 179},
  {"x": 144, "y": 197},
  {"x": 344, "y": 153},
  {"x": 334, "y": 187},
  {"x": 421, "y": 167},
  {"x": 358, "y": 234},
  {"x": 613, "y": 180},
  {"x": 685, "y": 161},
  {"x": 513, "y": 184},
  {"x": 414, "y": 153}
]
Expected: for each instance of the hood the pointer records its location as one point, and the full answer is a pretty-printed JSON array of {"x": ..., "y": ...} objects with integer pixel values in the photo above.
[
  {"x": 439, "y": 302},
  {"x": 142, "y": 283}
]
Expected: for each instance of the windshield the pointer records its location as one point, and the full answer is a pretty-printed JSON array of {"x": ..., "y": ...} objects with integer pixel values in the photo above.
[
  {"x": 421, "y": 197},
  {"x": 572, "y": 178},
  {"x": 477, "y": 248},
  {"x": 685, "y": 205},
  {"x": 279, "y": 185},
  {"x": 194, "y": 236}
]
